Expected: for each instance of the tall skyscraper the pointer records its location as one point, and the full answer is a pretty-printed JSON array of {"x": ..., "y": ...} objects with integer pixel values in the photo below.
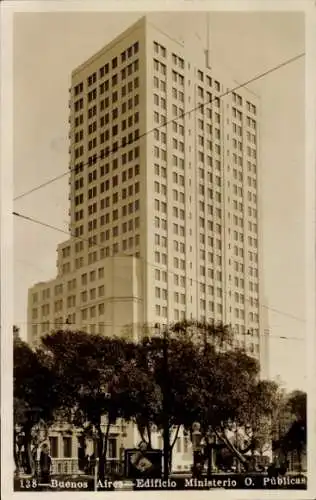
[{"x": 163, "y": 195}]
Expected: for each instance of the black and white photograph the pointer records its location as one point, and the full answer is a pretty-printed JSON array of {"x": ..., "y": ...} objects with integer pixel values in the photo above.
[{"x": 159, "y": 336}]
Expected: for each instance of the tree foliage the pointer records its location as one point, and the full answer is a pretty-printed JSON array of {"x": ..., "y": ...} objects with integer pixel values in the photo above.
[
  {"x": 35, "y": 395},
  {"x": 189, "y": 370},
  {"x": 96, "y": 381},
  {"x": 295, "y": 437}
]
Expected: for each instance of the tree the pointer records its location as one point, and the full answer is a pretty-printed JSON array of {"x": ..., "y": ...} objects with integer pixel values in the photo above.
[
  {"x": 226, "y": 385},
  {"x": 190, "y": 373},
  {"x": 295, "y": 438},
  {"x": 265, "y": 400},
  {"x": 99, "y": 382},
  {"x": 297, "y": 404},
  {"x": 35, "y": 397},
  {"x": 174, "y": 385},
  {"x": 141, "y": 396},
  {"x": 206, "y": 383}
]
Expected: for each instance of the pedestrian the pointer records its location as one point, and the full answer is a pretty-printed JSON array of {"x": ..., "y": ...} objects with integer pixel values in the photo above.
[{"x": 45, "y": 465}]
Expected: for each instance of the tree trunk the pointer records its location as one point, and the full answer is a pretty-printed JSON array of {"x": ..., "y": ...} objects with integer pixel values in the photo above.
[
  {"x": 141, "y": 430},
  {"x": 175, "y": 438},
  {"x": 166, "y": 452},
  {"x": 100, "y": 445},
  {"x": 16, "y": 451},
  {"x": 31, "y": 459},
  {"x": 105, "y": 441},
  {"x": 149, "y": 436},
  {"x": 30, "y": 465},
  {"x": 172, "y": 446},
  {"x": 208, "y": 457},
  {"x": 170, "y": 461}
]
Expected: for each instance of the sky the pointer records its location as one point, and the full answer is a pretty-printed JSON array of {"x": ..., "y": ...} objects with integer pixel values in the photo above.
[{"x": 47, "y": 47}]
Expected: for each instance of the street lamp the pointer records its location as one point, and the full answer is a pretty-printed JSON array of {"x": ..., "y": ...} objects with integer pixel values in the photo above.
[
  {"x": 123, "y": 435},
  {"x": 196, "y": 446},
  {"x": 165, "y": 401},
  {"x": 210, "y": 444}
]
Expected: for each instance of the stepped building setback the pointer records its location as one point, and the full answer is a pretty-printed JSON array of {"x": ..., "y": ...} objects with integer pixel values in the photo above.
[{"x": 163, "y": 195}]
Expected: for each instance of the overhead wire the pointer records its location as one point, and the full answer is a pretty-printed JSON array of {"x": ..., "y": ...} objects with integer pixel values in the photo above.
[
  {"x": 49, "y": 226},
  {"x": 168, "y": 122},
  {"x": 127, "y": 326},
  {"x": 200, "y": 106}
]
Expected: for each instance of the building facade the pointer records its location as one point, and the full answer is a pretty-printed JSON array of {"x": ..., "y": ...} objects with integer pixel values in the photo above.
[
  {"x": 157, "y": 174},
  {"x": 164, "y": 212}
]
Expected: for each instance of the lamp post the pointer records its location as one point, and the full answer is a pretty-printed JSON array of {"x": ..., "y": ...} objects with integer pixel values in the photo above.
[
  {"x": 166, "y": 446},
  {"x": 210, "y": 443},
  {"x": 123, "y": 435},
  {"x": 196, "y": 446}
]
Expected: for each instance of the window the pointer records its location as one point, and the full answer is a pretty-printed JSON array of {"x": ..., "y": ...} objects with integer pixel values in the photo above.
[
  {"x": 53, "y": 441},
  {"x": 185, "y": 444},
  {"x": 112, "y": 448},
  {"x": 114, "y": 62},
  {"x": 67, "y": 447}
]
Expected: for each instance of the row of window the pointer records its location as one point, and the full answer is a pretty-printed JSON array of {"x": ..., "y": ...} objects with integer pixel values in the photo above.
[
  {"x": 105, "y": 170},
  {"x": 133, "y": 119},
  {"x": 238, "y": 175},
  {"x": 217, "y": 259},
  {"x": 92, "y": 311},
  {"x": 59, "y": 305},
  {"x": 252, "y": 242},
  {"x": 105, "y": 103},
  {"x": 78, "y": 89},
  {"x": 159, "y": 84},
  {"x": 209, "y": 115},
  {"x": 78, "y": 120},
  {"x": 238, "y": 206},
  {"x": 208, "y": 80},
  {"x": 71, "y": 285},
  {"x": 180, "y": 230},
  {"x": 78, "y": 105},
  {"x": 160, "y": 67},
  {"x": 125, "y": 73},
  {"x": 179, "y": 298},
  {"x": 125, "y": 55},
  {"x": 207, "y": 98},
  {"x": 238, "y": 130},
  {"x": 110, "y": 252},
  {"x": 106, "y": 218},
  {"x": 104, "y": 153},
  {"x": 108, "y": 235},
  {"x": 93, "y": 293},
  {"x": 179, "y": 61},
  {"x": 176, "y": 60},
  {"x": 45, "y": 326},
  {"x": 162, "y": 312},
  {"x": 237, "y": 99},
  {"x": 178, "y": 263},
  {"x": 130, "y": 51},
  {"x": 132, "y": 154},
  {"x": 160, "y": 49}
]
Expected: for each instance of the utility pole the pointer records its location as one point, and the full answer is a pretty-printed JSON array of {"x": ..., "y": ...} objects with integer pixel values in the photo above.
[{"x": 166, "y": 409}]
